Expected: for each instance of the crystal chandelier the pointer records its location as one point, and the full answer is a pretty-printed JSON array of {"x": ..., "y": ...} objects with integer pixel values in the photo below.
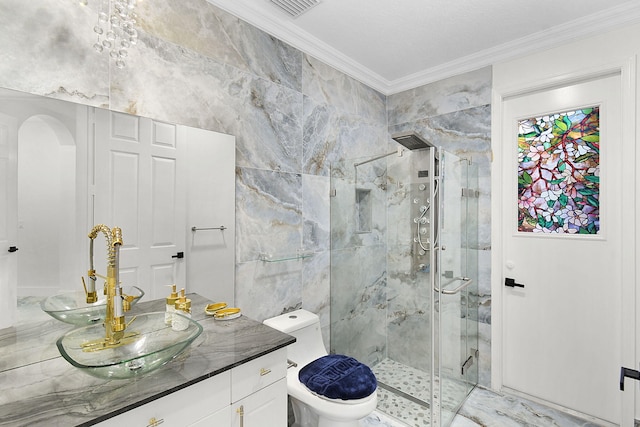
[{"x": 115, "y": 28}]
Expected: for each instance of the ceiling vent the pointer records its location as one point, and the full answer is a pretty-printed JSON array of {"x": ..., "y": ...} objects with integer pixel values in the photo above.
[{"x": 295, "y": 8}]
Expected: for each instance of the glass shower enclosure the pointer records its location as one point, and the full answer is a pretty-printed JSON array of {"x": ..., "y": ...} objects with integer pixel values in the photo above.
[{"x": 404, "y": 269}]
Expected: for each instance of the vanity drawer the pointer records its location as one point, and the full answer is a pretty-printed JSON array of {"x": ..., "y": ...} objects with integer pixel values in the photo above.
[
  {"x": 257, "y": 374},
  {"x": 182, "y": 408}
]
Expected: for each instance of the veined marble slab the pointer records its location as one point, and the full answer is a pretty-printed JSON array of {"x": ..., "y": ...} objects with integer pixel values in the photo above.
[
  {"x": 204, "y": 28},
  {"x": 47, "y": 49},
  {"x": 491, "y": 409},
  {"x": 472, "y": 89},
  {"x": 326, "y": 85},
  {"x": 47, "y": 390}
]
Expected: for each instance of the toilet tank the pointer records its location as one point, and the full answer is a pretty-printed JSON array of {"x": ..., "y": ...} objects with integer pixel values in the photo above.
[{"x": 305, "y": 327}]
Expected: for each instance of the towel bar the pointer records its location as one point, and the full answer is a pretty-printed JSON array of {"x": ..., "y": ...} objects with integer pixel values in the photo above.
[{"x": 221, "y": 228}]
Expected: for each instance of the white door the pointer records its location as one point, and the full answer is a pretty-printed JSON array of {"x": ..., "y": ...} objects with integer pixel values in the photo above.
[
  {"x": 210, "y": 207},
  {"x": 8, "y": 219},
  {"x": 138, "y": 188},
  {"x": 563, "y": 331}
]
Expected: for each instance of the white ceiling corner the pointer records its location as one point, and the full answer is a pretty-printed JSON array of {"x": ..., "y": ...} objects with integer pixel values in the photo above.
[{"x": 392, "y": 47}]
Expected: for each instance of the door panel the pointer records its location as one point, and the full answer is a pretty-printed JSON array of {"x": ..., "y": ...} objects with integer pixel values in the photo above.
[
  {"x": 210, "y": 203},
  {"x": 8, "y": 219},
  {"x": 138, "y": 188},
  {"x": 562, "y": 330}
]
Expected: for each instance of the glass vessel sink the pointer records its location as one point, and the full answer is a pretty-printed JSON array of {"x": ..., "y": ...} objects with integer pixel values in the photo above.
[
  {"x": 72, "y": 307},
  {"x": 148, "y": 345}
]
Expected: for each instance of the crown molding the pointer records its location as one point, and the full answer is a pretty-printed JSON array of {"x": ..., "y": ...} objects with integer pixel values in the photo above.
[
  {"x": 283, "y": 29},
  {"x": 614, "y": 18}
]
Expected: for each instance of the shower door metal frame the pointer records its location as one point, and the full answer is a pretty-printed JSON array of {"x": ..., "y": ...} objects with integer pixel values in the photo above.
[
  {"x": 438, "y": 163},
  {"x": 434, "y": 282}
]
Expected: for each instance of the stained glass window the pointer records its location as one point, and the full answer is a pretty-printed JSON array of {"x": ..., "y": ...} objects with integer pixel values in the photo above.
[{"x": 559, "y": 173}]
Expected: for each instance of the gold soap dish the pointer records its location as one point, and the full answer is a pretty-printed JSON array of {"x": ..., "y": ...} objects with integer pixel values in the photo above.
[
  {"x": 227, "y": 314},
  {"x": 211, "y": 309}
]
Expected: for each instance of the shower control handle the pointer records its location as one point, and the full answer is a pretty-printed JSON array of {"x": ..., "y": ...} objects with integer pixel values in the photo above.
[{"x": 512, "y": 283}]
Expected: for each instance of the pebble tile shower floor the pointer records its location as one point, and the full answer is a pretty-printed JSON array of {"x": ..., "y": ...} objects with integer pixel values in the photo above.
[{"x": 404, "y": 393}]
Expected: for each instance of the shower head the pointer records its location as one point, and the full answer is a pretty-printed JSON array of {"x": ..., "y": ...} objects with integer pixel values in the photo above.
[{"x": 411, "y": 140}]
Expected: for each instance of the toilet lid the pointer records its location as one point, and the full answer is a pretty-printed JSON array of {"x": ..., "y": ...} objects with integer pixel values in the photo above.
[{"x": 338, "y": 377}]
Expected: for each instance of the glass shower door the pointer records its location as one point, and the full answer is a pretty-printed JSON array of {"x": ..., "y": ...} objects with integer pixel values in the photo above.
[
  {"x": 455, "y": 282},
  {"x": 389, "y": 213}
]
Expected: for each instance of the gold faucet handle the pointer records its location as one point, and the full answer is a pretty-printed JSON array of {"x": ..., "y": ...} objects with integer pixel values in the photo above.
[{"x": 126, "y": 301}]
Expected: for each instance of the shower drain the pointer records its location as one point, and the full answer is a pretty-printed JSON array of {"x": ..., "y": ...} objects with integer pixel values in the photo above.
[{"x": 401, "y": 393}]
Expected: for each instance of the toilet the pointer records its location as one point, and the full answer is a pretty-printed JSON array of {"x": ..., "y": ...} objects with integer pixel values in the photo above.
[{"x": 310, "y": 408}]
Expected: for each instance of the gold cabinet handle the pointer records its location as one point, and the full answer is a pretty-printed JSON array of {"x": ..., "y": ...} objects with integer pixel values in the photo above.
[
  {"x": 240, "y": 411},
  {"x": 153, "y": 422},
  {"x": 264, "y": 372}
]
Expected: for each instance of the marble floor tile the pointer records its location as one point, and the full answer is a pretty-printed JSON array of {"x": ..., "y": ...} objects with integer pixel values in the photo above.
[
  {"x": 482, "y": 408},
  {"x": 490, "y": 409},
  {"x": 379, "y": 419},
  {"x": 460, "y": 421}
]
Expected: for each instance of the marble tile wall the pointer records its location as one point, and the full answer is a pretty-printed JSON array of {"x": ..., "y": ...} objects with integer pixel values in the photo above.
[
  {"x": 197, "y": 65},
  {"x": 293, "y": 117},
  {"x": 358, "y": 259}
]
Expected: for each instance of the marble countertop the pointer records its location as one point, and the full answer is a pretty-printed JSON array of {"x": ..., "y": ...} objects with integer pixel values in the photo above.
[{"x": 39, "y": 387}]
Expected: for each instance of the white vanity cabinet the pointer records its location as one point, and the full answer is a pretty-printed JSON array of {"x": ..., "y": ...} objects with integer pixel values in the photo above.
[
  {"x": 259, "y": 391},
  {"x": 181, "y": 408},
  {"x": 253, "y": 394},
  {"x": 267, "y": 407}
]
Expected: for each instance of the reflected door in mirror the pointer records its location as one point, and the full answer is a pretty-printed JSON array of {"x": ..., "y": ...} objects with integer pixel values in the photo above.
[
  {"x": 8, "y": 219},
  {"x": 139, "y": 188}
]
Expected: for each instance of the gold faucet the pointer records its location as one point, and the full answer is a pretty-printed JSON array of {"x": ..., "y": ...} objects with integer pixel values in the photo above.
[{"x": 117, "y": 301}]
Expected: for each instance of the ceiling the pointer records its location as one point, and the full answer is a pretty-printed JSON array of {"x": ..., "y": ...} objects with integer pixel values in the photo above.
[{"x": 394, "y": 45}]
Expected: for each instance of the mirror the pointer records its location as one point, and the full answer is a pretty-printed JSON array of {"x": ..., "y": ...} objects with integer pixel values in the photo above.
[{"x": 67, "y": 167}]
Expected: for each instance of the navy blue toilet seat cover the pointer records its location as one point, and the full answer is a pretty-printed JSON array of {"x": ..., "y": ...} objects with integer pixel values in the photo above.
[{"x": 338, "y": 377}]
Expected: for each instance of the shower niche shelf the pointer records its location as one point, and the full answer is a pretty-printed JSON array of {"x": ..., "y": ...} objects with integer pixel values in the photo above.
[
  {"x": 364, "y": 210},
  {"x": 267, "y": 257}
]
